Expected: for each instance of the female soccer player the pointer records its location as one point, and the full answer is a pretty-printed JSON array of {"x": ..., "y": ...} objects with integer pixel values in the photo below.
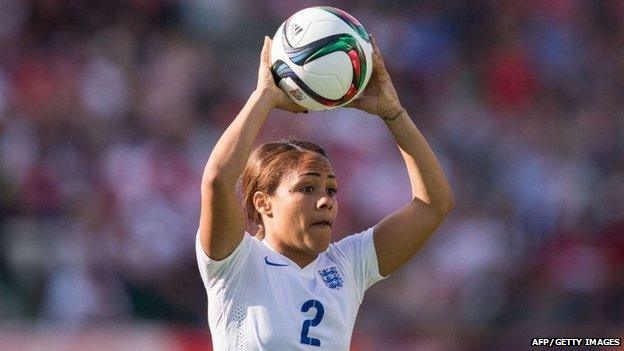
[{"x": 289, "y": 288}]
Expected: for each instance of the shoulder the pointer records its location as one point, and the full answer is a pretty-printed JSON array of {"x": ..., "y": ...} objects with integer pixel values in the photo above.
[
  {"x": 351, "y": 243},
  {"x": 228, "y": 267},
  {"x": 351, "y": 249}
]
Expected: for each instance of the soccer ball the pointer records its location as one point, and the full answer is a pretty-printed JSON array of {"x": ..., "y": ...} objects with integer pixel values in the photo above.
[{"x": 322, "y": 58}]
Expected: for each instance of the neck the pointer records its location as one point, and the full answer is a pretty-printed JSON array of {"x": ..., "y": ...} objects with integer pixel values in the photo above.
[{"x": 302, "y": 259}]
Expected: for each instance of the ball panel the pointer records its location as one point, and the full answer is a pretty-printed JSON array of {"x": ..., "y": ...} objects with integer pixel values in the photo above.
[
  {"x": 349, "y": 20},
  {"x": 336, "y": 65},
  {"x": 296, "y": 28},
  {"x": 320, "y": 28},
  {"x": 317, "y": 14}
]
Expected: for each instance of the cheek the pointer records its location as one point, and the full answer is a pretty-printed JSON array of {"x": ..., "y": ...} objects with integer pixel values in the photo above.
[
  {"x": 290, "y": 208},
  {"x": 302, "y": 208}
]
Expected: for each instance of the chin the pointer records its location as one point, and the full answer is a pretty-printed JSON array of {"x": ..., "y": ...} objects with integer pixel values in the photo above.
[
  {"x": 322, "y": 247},
  {"x": 319, "y": 242}
]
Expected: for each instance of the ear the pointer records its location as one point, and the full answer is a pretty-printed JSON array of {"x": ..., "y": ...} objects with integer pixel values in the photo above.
[{"x": 262, "y": 203}]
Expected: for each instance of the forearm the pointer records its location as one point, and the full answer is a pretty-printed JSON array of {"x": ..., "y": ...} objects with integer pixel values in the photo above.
[
  {"x": 427, "y": 179},
  {"x": 229, "y": 156}
]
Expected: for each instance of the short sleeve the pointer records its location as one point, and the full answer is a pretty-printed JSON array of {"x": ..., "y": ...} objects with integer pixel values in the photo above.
[
  {"x": 359, "y": 251},
  {"x": 216, "y": 273}
]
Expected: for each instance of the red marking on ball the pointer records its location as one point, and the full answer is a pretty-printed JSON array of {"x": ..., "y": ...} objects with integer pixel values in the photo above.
[{"x": 355, "y": 61}]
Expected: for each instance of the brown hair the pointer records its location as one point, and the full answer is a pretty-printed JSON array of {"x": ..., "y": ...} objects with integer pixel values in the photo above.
[{"x": 265, "y": 168}]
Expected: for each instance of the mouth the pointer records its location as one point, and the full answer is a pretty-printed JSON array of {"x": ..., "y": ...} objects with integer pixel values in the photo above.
[{"x": 322, "y": 223}]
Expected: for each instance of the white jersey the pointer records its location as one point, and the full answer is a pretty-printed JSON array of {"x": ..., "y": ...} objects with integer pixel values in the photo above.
[{"x": 259, "y": 299}]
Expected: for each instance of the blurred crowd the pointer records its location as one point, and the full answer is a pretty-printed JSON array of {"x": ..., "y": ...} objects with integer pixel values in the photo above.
[{"x": 109, "y": 111}]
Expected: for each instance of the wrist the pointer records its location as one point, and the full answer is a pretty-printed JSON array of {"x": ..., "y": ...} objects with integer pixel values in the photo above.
[{"x": 393, "y": 113}]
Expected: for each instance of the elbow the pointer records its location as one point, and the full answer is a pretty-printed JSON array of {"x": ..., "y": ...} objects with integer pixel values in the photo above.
[
  {"x": 214, "y": 178},
  {"x": 439, "y": 208},
  {"x": 211, "y": 178},
  {"x": 448, "y": 206},
  {"x": 444, "y": 206}
]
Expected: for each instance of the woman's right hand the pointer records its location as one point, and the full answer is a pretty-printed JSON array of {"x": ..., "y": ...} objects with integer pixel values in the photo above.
[{"x": 266, "y": 85}]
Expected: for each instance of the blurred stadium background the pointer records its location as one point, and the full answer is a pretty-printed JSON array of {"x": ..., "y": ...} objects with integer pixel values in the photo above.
[{"x": 109, "y": 110}]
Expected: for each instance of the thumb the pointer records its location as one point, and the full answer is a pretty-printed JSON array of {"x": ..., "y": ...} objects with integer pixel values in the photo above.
[{"x": 266, "y": 52}]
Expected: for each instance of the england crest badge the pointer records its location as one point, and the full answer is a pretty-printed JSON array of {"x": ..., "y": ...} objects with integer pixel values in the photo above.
[{"x": 332, "y": 278}]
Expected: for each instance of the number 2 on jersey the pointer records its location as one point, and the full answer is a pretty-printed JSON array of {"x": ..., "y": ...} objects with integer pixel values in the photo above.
[{"x": 305, "y": 339}]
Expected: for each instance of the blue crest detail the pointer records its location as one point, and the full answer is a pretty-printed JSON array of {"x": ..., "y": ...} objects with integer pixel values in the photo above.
[{"x": 332, "y": 277}]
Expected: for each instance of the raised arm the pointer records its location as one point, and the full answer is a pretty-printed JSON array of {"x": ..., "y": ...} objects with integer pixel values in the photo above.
[
  {"x": 400, "y": 235},
  {"x": 221, "y": 223}
]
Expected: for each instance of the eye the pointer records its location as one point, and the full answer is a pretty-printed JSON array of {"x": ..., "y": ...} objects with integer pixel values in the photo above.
[
  {"x": 332, "y": 191},
  {"x": 308, "y": 189}
]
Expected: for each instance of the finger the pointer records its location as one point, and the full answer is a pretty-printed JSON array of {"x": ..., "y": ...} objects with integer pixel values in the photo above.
[
  {"x": 292, "y": 107},
  {"x": 269, "y": 45},
  {"x": 374, "y": 43},
  {"x": 379, "y": 67},
  {"x": 300, "y": 109},
  {"x": 376, "y": 49},
  {"x": 264, "y": 56},
  {"x": 377, "y": 57}
]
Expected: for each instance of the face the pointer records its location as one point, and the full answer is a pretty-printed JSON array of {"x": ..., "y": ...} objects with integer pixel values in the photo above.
[{"x": 304, "y": 206}]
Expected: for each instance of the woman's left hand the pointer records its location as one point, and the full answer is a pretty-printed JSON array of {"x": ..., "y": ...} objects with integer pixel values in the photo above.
[{"x": 379, "y": 98}]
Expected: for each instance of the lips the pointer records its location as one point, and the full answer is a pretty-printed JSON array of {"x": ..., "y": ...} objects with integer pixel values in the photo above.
[{"x": 327, "y": 223}]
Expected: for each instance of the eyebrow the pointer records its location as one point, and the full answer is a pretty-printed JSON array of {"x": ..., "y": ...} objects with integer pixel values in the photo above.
[{"x": 316, "y": 175}]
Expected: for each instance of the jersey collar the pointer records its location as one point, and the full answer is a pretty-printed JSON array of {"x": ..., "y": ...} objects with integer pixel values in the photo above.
[{"x": 307, "y": 271}]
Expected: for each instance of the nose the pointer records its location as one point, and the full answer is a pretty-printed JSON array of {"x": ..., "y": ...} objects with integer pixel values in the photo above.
[{"x": 325, "y": 202}]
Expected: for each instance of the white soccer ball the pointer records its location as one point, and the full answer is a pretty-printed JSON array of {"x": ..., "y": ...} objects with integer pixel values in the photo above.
[{"x": 322, "y": 58}]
